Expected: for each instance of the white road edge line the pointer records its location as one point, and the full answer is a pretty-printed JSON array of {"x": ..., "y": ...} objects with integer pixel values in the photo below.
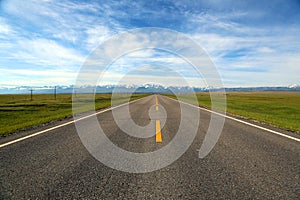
[
  {"x": 65, "y": 124},
  {"x": 238, "y": 120}
]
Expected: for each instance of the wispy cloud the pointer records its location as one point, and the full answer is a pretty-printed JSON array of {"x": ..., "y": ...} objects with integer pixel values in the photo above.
[
  {"x": 46, "y": 77},
  {"x": 250, "y": 42},
  {"x": 47, "y": 52},
  {"x": 4, "y": 28}
]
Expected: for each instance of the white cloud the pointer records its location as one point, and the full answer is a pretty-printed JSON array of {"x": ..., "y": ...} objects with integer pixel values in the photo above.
[
  {"x": 47, "y": 52},
  {"x": 265, "y": 50},
  {"x": 59, "y": 34},
  {"x": 130, "y": 79},
  {"x": 96, "y": 35},
  {"x": 45, "y": 73},
  {"x": 5, "y": 29},
  {"x": 36, "y": 77}
]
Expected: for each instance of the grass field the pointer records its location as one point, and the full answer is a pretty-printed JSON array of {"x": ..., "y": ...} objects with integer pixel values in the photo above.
[
  {"x": 281, "y": 109},
  {"x": 18, "y": 111}
]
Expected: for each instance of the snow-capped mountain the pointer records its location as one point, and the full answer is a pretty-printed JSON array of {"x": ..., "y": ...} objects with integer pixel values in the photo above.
[{"x": 146, "y": 88}]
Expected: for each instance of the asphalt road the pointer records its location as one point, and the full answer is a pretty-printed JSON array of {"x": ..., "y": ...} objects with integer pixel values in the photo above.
[{"x": 246, "y": 162}]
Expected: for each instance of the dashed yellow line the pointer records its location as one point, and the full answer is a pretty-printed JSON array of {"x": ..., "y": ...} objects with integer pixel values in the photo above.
[
  {"x": 156, "y": 103},
  {"x": 158, "y": 136}
]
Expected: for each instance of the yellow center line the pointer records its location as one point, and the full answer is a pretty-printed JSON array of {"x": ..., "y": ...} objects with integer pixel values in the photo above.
[
  {"x": 158, "y": 136},
  {"x": 156, "y": 102}
]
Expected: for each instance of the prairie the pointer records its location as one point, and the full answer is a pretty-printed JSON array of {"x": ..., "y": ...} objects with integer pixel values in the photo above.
[
  {"x": 281, "y": 109},
  {"x": 18, "y": 112}
]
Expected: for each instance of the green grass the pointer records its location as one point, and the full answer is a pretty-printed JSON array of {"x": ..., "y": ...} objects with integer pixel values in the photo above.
[
  {"x": 281, "y": 109},
  {"x": 18, "y": 111}
]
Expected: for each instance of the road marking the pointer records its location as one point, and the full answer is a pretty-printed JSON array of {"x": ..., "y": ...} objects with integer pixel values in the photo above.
[
  {"x": 158, "y": 136},
  {"x": 241, "y": 121},
  {"x": 156, "y": 103},
  {"x": 65, "y": 124}
]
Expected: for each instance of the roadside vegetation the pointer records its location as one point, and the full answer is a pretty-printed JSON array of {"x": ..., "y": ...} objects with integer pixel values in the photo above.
[
  {"x": 281, "y": 109},
  {"x": 18, "y": 112}
]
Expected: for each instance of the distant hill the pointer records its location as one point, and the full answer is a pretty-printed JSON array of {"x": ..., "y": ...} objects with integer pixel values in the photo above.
[{"x": 147, "y": 88}]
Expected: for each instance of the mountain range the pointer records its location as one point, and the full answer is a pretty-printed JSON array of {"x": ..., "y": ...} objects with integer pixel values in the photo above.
[{"x": 147, "y": 88}]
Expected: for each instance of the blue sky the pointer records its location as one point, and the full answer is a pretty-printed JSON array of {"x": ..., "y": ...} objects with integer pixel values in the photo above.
[{"x": 252, "y": 43}]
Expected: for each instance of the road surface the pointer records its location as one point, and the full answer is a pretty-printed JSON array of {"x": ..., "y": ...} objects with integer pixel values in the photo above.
[{"x": 246, "y": 163}]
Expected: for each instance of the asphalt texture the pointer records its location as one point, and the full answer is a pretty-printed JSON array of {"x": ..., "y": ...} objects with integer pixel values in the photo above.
[{"x": 246, "y": 163}]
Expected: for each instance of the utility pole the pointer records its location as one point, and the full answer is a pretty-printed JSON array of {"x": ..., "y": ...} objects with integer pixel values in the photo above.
[
  {"x": 54, "y": 92},
  {"x": 31, "y": 90}
]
